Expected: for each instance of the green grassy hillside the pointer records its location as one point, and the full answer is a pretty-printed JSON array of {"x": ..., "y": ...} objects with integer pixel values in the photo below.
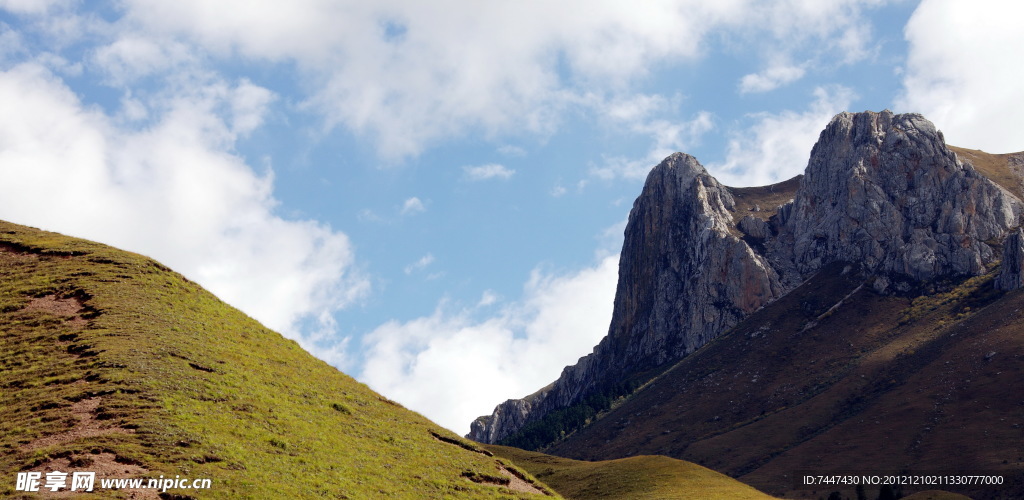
[
  {"x": 110, "y": 362},
  {"x": 634, "y": 478}
]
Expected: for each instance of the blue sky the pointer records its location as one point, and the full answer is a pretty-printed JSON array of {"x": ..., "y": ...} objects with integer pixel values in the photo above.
[{"x": 431, "y": 195}]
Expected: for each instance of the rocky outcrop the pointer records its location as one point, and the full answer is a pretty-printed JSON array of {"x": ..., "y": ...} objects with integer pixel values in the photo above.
[
  {"x": 1011, "y": 273},
  {"x": 754, "y": 227},
  {"x": 884, "y": 191},
  {"x": 684, "y": 276},
  {"x": 880, "y": 190},
  {"x": 511, "y": 414}
]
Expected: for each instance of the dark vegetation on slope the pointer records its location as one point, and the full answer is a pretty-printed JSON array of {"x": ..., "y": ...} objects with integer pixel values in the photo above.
[{"x": 110, "y": 362}]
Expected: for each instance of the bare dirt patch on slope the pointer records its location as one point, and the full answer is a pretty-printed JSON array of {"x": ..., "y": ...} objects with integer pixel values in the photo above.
[{"x": 87, "y": 426}]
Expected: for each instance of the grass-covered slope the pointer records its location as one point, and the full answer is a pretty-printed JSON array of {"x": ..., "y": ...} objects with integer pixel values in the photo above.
[
  {"x": 110, "y": 362},
  {"x": 634, "y": 478},
  {"x": 1007, "y": 170}
]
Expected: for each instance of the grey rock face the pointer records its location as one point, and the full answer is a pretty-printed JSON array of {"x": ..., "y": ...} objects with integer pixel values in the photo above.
[
  {"x": 684, "y": 276},
  {"x": 1011, "y": 273},
  {"x": 754, "y": 227},
  {"x": 883, "y": 190},
  {"x": 880, "y": 190},
  {"x": 511, "y": 414}
]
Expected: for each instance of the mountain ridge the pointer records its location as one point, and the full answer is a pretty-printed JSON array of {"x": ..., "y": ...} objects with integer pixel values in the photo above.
[{"x": 883, "y": 198}]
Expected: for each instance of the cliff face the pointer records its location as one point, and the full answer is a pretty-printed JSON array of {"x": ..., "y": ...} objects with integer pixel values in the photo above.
[
  {"x": 884, "y": 191},
  {"x": 880, "y": 191},
  {"x": 684, "y": 275},
  {"x": 1011, "y": 275}
]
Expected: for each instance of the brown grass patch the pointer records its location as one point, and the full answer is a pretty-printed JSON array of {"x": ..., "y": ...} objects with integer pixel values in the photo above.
[
  {"x": 52, "y": 304},
  {"x": 87, "y": 426},
  {"x": 763, "y": 201},
  {"x": 517, "y": 483},
  {"x": 1005, "y": 170},
  {"x": 105, "y": 465}
]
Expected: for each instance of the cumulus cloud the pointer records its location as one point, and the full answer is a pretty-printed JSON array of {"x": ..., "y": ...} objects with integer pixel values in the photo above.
[
  {"x": 777, "y": 145},
  {"x": 962, "y": 72},
  {"x": 423, "y": 363},
  {"x": 412, "y": 206},
  {"x": 488, "y": 171},
  {"x": 32, "y": 6},
  {"x": 667, "y": 136},
  {"x": 770, "y": 79},
  {"x": 510, "y": 150},
  {"x": 173, "y": 191},
  {"x": 479, "y": 67},
  {"x": 420, "y": 264},
  {"x": 487, "y": 298},
  {"x": 133, "y": 56},
  {"x": 834, "y": 30}
]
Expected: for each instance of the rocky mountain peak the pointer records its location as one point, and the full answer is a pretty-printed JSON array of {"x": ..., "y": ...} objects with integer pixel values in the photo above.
[
  {"x": 685, "y": 275},
  {"x": 881, "y": 190}
]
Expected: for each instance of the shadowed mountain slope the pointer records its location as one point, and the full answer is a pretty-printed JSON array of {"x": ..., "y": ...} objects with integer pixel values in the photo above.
[
  {"x": 836, "y": 377},
  {"x": 866, "y": 321}
]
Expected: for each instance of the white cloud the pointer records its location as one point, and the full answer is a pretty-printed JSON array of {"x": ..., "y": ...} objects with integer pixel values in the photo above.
[
  {"x": 770, "y": 79},
  {"x": 32, "y": 6},
  {"x": 558, "y": 191},
  {"x": 834, "y": 31},
  {"x": 249, "y": 103},
  {"x": 962, "y": 72},
  {"x": 510, "y": 150},
  {"x": 11, "y": 43},
  {"x": 667, "y": 137},
  {"x": 488, "y": 171},
  {"x": 133, "y": 56},
  {"x": 423, "y": 363},
  {"x": 173, "y": 191},
  {"x": 481, "y": 67},
  {"x": 412, "y": 206},
  {"x": 420, "y": 264},
  {"x": 777, "y": 146},
  {"x": 636, "y": 108},
  {"x": 487, "y": 298}
]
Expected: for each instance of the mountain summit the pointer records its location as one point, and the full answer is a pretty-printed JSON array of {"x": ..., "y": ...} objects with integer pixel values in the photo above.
[
  {"x": 884, "y": 191},
  {"x": 685, "y": 274},
  {"x": 885, "y": 218}
]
